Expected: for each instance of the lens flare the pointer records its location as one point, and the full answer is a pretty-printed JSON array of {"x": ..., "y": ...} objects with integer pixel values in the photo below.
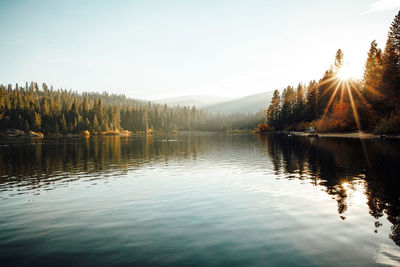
[{"x": 345, "y": 73}]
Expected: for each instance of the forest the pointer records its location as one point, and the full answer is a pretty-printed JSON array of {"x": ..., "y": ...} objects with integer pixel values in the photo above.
[
  {"x": 61, "y": 111},
  {"x": 339, "y": 103}
]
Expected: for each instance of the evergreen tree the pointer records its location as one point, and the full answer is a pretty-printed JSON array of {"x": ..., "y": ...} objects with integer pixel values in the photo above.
[
  {"x": 373, "y": 78},
  {"x": 63, "y": 124},
  {"x": 288, "y": 105},
  {"x": 312, "y": 101},
  {"x": 37, "y": 121},
  {"x": 338, "y": 59},
  {"x": 300, "y": 104},
  {"x": 391, "y": 66},
  {"x": 273, "y": 111},
  {"x": 95, "y": 124}
]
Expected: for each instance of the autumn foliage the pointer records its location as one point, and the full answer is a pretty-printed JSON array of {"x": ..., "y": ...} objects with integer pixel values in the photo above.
[{"x": 262, "y": 128}]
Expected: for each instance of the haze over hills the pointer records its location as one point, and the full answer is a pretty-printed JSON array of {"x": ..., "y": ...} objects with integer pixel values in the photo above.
[
  {"x": 247, "y": 104},
  {"x": 200, "y": 101},
  {"x": 225, "y": 105}
]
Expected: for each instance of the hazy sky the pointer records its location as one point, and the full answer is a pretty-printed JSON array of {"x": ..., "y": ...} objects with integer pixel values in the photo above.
[{"x": 155, "y": 49}]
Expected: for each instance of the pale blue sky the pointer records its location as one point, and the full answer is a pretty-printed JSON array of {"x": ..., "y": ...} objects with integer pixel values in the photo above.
[{"x": 156, "y": 49}]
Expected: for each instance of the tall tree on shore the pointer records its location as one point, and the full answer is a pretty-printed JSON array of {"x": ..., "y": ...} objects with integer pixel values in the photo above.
[
  {"x": 373, "y": 68},
  {"x": 273, "y": 111},
  {"x": 288, "y": 107},
  {"x": 373, "y": 78},
  {"x": 391, "y": 66},
  {"x": 37, "y": 121},
  {"x": 329, "y": 84},
  {"x": 300, "y": 103},
  {"x": 325, "y": 87},
  {"x": 312, "y": 101}
]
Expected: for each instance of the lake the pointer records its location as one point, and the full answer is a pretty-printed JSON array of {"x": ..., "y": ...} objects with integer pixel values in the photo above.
[{"x": 200, "y": 199}]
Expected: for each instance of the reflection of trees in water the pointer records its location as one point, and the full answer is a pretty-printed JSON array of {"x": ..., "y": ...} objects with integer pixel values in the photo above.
[
  {"x": 43, "y": 162},
  {"x": 339, "y": 164}
]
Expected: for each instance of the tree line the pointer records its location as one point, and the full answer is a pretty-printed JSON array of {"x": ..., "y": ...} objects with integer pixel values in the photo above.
[
  {"x": 64, "y": 111},
  {"x": 335, "y": 103}
]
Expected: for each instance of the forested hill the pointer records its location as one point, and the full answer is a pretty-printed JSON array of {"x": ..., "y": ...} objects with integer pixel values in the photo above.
[
  {"x": 60, "y": 111},
  {"x": 247, "y": 104}
]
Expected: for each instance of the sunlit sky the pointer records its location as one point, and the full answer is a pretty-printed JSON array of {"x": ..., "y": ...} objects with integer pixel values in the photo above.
[{"x": 157, "y": 49}]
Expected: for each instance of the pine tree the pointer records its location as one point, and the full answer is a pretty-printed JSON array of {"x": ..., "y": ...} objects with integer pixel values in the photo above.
[
  {"x": 325, "y": 88},
  {"x": 288, "y": 104},
  {"x": 95, "y": 124},
  {"x": 37, "y": 121},
  {"x": 273, "y": 111},
  {"x": 391, "y": 67},
  {"x": 312, "y": 101},
  {"x": 373, "y": 77},
  {"x": 394, "y": 33},
  {"x": 63, "y": 124},
  {"x": 300, "y": 104},
  {"x": 86, "y": 124},
  {"x": 338, "y": 59}
]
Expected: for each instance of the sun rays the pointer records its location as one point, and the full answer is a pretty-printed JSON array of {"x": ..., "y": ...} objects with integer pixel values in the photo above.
[
  {"x": 345, "y": 73},
  {"x": 342, "y": 81}
]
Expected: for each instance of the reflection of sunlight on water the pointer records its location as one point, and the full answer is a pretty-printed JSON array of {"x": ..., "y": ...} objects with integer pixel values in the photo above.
[{"x": 356, "y": 192}]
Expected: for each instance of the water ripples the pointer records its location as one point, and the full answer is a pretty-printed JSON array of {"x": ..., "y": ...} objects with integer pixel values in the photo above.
[{"x": 214, "y": 199}]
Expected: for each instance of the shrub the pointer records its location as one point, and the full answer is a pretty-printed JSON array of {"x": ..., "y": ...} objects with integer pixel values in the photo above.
[
  {"x": 263, "y": 128},
  {"x": 329, "y": 124}
]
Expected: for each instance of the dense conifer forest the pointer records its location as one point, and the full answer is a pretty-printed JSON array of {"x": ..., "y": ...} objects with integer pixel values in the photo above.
[
  {"x": 338, "y": 102},
  {"x": 61, "y": 112}
]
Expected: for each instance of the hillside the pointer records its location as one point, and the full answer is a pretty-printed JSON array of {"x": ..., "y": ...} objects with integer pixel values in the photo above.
[
  {"x": 199, "y": 101},
  {"x": 248, "y": 104}
]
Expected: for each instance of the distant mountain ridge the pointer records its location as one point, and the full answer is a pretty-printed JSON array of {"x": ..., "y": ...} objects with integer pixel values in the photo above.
[
  {"x": 247, "y": 104},
  {"x": 200, "y": 101},
  {"x": 225, "y": 105}
]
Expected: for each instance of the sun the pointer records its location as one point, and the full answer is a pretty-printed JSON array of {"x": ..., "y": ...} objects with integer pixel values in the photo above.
[{"x": 345, "y": 73}]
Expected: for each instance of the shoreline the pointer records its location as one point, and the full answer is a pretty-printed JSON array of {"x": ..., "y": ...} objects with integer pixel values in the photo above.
[{"x": 359, "y": 135}]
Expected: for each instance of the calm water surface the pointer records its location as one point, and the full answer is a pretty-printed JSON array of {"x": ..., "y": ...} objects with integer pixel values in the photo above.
[{"x": 200, "y": 199}]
